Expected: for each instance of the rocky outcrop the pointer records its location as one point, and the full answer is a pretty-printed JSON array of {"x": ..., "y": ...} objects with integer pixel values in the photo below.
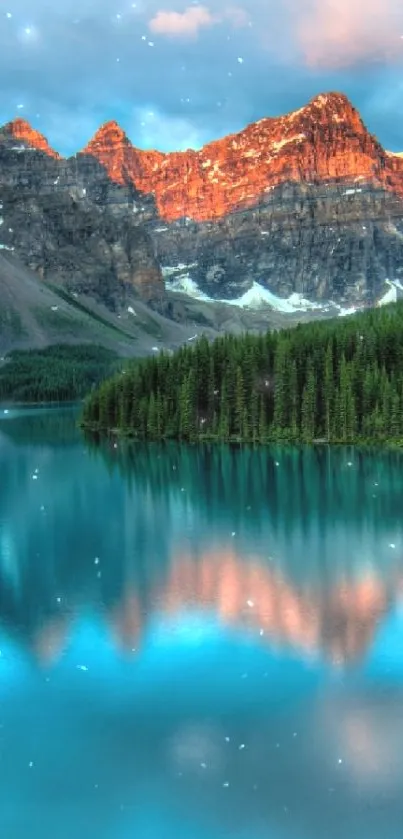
[
  {"x": 308, "y": 202},
  {"x": 67, "y": 236},
  {"x": 19, "y": 135}
]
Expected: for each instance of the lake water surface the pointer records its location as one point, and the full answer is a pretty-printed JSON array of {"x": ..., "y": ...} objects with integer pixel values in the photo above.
[{"x": 198, "y": 642}]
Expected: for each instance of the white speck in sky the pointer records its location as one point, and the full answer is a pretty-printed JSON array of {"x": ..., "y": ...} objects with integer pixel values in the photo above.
[
  {"x": 250, "y": 603},
  {"x": 82, "y": 667},
  {"x": 8, "y": 14},
  {"x": 240, "y": 60}
]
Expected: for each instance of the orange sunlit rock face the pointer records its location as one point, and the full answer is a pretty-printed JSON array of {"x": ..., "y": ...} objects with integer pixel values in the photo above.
[
  {"x": 325, "y": 140},
  {"x": 21, "y": 130}
]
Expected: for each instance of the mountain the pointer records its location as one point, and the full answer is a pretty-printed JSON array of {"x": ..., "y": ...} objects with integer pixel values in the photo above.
[{"x": 301, "y": 213}]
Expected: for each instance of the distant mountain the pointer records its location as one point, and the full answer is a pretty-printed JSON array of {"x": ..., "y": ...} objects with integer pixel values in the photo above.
[{"x": 301, "y": 214}]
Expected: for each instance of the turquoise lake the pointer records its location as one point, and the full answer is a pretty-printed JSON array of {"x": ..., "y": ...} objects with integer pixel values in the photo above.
[{"x": 197, "y": 642}]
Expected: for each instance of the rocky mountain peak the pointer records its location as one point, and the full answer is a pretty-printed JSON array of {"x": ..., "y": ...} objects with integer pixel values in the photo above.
[
  {"x": 21, "y": 131},
  {"x": 323, "y": 141},
  {"x": 110, "y": 146},
  {"x": 109, "y": 137}
]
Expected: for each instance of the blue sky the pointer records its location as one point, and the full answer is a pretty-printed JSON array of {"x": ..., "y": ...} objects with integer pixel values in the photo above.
[{"x": 177, "y": 74}]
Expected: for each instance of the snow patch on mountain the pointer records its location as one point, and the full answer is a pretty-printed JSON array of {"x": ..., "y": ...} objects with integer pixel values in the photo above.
[
  {"x": 258, "y": 296},
  {"x": 184, "y": 284},
  {"x": 255, "y": 298},
  {"x": 395, "y": 292},
  {"x": 177, "y": 279}
]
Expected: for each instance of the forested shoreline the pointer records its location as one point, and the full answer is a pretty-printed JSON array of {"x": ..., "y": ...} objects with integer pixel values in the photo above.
[
  {"x": 58, "y": 373},
  {"x": 338, "y": 381}
]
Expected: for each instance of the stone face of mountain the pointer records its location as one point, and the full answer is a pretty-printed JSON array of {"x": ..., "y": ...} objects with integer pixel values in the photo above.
[
  {"x": 309, "y": 203},
  {"x": 65, "y": 235},
  {"x": 324, "y": 141}
]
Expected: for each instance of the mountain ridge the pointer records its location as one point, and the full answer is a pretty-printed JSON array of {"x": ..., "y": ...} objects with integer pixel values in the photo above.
[
  {"x": 305, "y": 206},
  {"x": 325, "y": 140}
]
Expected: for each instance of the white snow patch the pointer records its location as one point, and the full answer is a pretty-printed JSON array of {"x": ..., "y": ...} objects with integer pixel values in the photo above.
[
  {"x": 296, "y": 138},
  {"x": 392, "y": 294},
  {"x": 185, "y": 285},
  {"x": 258, "y": 296},
  {"x": 22, "y": 148},
  {"x": 347, "y": 311}
]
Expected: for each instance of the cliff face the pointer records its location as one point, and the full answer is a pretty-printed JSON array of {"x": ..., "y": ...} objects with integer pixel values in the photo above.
[
  {"x": 66, "y": 235},
  {"x": 309, "y": 202},
  {"x": 323, "y": 141}
]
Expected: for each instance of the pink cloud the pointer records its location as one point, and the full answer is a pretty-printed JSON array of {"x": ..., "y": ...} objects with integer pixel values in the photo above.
[
  {"x": 341, "y": 33},
  {"x": 195, "y": 18},
  {"x": 179, "y": 24}
]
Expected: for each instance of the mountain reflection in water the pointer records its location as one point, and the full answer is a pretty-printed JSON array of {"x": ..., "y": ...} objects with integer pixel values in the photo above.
[{"x": 198, "y": 642}]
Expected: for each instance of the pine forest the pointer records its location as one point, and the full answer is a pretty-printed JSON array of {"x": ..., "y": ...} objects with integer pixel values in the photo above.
[{"x": 334, "y": 380}]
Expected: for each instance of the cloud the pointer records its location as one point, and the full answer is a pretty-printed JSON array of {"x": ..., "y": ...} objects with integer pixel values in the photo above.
[
  {"x": 195, "y": 18},
  {"x": 292, "y": 50},
  {"x": 338, "y": 34},
  {"x": 180, "y": 24}
]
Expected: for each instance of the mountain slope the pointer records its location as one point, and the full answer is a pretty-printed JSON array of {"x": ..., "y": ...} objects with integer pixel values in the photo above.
[{"x": 34, "y": 315}]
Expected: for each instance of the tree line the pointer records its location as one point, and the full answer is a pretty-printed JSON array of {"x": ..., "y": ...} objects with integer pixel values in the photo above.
[
  {"x": 58, "y": 373},
  {"x": 339, "y": 380}
]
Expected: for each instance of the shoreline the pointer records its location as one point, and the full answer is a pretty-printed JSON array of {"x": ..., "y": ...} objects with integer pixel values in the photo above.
[{"x": 117, "y": 433}]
